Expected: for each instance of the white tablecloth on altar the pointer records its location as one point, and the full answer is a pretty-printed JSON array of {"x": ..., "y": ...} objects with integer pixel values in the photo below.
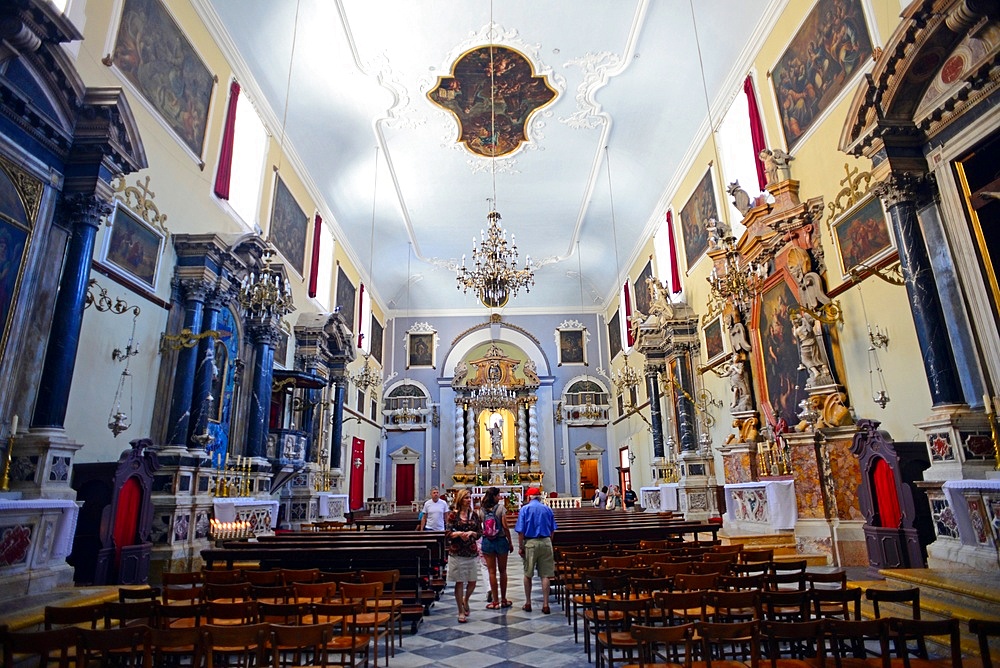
[
  {"x": 225, "y": 509},
  {"x": 782, "y": 509},
  {"x": 326, "y": 500}
]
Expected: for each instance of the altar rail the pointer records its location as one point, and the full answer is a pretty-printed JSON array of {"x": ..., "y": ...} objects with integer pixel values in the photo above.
[
  {"x": 379, "y": 508},
  {"x": 563, "y": 502}
]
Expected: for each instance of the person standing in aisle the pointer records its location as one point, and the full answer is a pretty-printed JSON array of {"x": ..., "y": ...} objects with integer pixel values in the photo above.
[
  {"x": 535, "y": 526},
  {"x": 434, "y": 511}
]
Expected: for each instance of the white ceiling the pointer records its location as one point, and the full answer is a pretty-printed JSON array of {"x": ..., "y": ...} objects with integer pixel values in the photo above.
[{"x": 628, "y": 77}]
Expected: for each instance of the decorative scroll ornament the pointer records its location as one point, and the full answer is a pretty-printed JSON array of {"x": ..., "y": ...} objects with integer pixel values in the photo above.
[
  {"x": 102, "y": 302},
  {"x": 893, "y": 274},
  {"x": 139, "y": 198},
  {"x": 856, "y": 186},
  {"x": 188, "y": 339}
]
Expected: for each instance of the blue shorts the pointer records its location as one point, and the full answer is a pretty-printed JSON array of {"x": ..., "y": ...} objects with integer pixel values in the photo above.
[{"x": 498, "y": 545}]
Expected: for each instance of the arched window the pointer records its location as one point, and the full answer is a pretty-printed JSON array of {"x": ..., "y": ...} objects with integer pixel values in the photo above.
[{"x": 585, "y": 401}]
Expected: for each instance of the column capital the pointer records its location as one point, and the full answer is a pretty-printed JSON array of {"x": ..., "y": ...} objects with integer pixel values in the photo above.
[
  {"x": 263, "y": 332},
  {"x": 906, "y": 187},
  {"x": 83, "y": 209}
]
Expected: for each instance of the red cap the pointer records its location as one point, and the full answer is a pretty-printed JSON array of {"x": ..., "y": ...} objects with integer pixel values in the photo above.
[{"x": 533, "y": 491}]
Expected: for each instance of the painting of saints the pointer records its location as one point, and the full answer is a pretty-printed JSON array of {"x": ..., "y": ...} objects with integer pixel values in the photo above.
[
  {"x": 699, "y": 208},
  {"x": 421, "y": 351},
  {"x": 12, "y": 241},
  {"x": 133, "y": 248},
  {"x": 780, "y": 352},
  {"x": 571, "y": 346},
  {"x": 862, "y": 236},
  {"x": 641, "y": 289},
  {"x": 614, "y": 335}
]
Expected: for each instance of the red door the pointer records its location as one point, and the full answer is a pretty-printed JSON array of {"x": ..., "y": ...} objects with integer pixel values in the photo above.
[
  {"x": 404, "y": 484},
  {"x": 356, "y": 496}
]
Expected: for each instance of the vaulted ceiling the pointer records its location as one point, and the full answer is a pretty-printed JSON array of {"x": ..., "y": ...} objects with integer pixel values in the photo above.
[{"x": 592, "y": 183}]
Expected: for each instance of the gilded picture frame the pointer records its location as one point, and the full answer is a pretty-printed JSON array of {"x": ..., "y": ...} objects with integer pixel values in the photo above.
[
  {"x": 289, "y": 225},
  {"x": 700, "y": 206},
  {"x": 640, "y": 289},
  {"x": 714, "y": 341},
  {"x": 572, "y": 346},
  {"x": 614, "y": 336},
  {"x": 346, "y": 293},
  {"x": 863, "y": 236},
  {"x": 420, "y": 350},
  {"x": 375, "y": 345},
  {"x": 132, "y": 249}
]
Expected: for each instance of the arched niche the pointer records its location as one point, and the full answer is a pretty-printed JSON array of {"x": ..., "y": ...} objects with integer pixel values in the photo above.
[{"x": 507, "y": 336}]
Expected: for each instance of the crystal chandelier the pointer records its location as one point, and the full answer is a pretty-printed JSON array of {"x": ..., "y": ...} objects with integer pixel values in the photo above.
[
  {"x": 368, "y": 376},
  {"x": 494, "y": 275},
  {"x": 266, "y": 294},
  {"x": 493, "y": 396},
  {"x": 741, "y": 281},
  {"x": 625, "y": 378}
]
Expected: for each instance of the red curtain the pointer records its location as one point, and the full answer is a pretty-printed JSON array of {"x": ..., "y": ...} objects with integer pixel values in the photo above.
[
  {"x": 628, "y": 315},
  {"x": 756, "y": 131},
  {"x": 314, "y": 270},
  {"x": 675, "y": 272},
  {"x": 404, "y": 484},
  {"x": 126, "y": 517},
  {"x": 356, "y": 492},
  {"x": 225, "y": 173},
  {"x": 886, "y": 495}
]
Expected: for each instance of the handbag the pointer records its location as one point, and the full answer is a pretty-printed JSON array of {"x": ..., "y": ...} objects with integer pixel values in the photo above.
[{"x": 610, "y": 505}]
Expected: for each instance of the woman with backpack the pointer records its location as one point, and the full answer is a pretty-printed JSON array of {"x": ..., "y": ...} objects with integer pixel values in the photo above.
[{"x": 497, "y": 544}]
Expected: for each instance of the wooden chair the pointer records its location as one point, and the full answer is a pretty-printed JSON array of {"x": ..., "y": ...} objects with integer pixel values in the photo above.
[
  {"x": 786, "y": 581},
  {"x": 181, "y": 616},
  {"x": 830, "y": 580},
  {"x": 901, "y": 630},
  {"x": 225, "y": 613},
  {"x": 292, "y": 575},
  {"x": 848, "y": 643},
  {"x": 616, "y": 636},
  {"x": 53, "y": 647},
  {"x": 134, "y": 613},
  {"x": 710, "y": 568},
  {"x": 755, "y": 568},
  {"x": 181, "y": 579},
  {"x": 680, "y": 607},
  {"x": 664, "y": 646},
  {"x": 272, "y": 593},
  {"x": 728, "y": 645},
  {"x": 394, "y": 606},
  {"x": 984, "y": 630},
  {"x": 617, "y": 562},
  {"x": 376, "y": 619},
  {"x": 901, "y": 598},
  {"x": 222, "y": 577},
  {"x": 244, "y": 645},
  {"x": 79, "y": 616},
  {"x": 601, "y": 584},
  {"x": 288, "y": 614},
  {"x": 348, "y": 644},
  {"x": 794, "y": 644},
  {"x": 181, "y": 595},
  {"x": 262, "y": 578},
  {"x": 795, "y": 566},
  {"x": 120, "y": 647},
  {"x": 756, "y": 556},
  {"x": 741, "y": 582},
  {"x": 230, "y": 593},
  {"x": 300, "y": 645},
  {"x": 690, "y": 581},
  {"x": 786, "y": 606},
  {"x": 337, "y": 576},
  {"x": 174, "y": 647},
  {"x": 842, "y": 604},
  {"x": 732, "y": 548},
  {"x": 128, "y": 595},
  {"x": 314, "y": 592},
  {"x": 732, "y": 606}
]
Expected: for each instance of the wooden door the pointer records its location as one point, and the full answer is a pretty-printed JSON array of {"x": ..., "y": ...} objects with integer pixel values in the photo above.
[
  {"x": 404, "y": 484},
  {"x": 588, "y": 478},
  {"x": 356, "y": 495}
]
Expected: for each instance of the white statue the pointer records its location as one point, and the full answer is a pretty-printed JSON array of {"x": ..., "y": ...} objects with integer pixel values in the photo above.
[
  {"x": 660, "y": 310},
  {"x": 811, "y": 351},
  {"x": 775, "y": 165},
  {"x": 739, "y": 387},
  {"x": 496, "y": 437},
  {"x": 738, "y": 335}
]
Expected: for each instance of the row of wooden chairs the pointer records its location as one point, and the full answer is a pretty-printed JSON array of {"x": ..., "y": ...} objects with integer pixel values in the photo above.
[
  {"x": 255, "y": 644},
  {"x": 811, "y": 644},
  {"x": 281, "y": 576}
]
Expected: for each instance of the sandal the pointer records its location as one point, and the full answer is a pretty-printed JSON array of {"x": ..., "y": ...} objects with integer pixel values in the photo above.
[
  {"x": 492, "y": 606},
  {"x": 546, "y": 610},
  {"x": 507, "y": 604},
  {"x": 526, "y": 607},
  {"x": 462, "y": 619}
]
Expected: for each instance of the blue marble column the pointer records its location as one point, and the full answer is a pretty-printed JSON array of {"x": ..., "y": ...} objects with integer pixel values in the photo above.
[
  {"x": 179, "y": 420},
  {"x": 901, "y": 193},
  {"x": 310, "y": 402},
  {"x": 202, "y": 406},
  {"x": 83, "y": 214},
  {"x": 339, "y": 390},
  {"x": 263, "y": 337},
  {"x": 655, "y": 415},
  {"x": 686, "y": 429}
]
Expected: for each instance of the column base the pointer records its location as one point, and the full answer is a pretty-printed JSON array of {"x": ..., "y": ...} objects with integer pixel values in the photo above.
[
  {"x": 41, "y": 465},
  {"x": 959, "y": 443}
]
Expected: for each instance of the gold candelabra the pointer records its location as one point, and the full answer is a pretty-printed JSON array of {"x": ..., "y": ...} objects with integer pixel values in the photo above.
[
  {"x": 8, "y": 456},
  {"x": 772, "y": 459},
  {"x": 233, "y": 474}
]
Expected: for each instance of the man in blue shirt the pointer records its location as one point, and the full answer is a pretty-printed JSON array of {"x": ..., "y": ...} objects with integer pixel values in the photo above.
[{"x": 535, "y": 526}]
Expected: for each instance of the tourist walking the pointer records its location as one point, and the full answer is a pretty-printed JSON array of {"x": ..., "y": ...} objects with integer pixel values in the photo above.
[
  {"x": 496, "y": 545},
  {"x": 433, "y": 513},
  {"x": 462, "y": 531},
  {"x": 535, "y": 526}
]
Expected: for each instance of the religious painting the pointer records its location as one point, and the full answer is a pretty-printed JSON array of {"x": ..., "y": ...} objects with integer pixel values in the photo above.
[
  {"x": 715, "y": 346},
  {"x": 377, "y": 333},
  {"x": 614, "y": 335},
  {"x": 779, "y": 354},
  {"x": 830, "y": 47},
  {"x": 281, "y": 350},
  {"x": 220, "y": 372},
  {"x": 132, "y": 248},
  {"x": 640, "y": 289},
  {"x": 345, "y": 297},
  {"x": 288, "y": 227},
  {"x": 700, "y": 207},
  {"x": 496, "y": 124},
  {"x": 419, "y": 350},
  {"x": 862, "y": 236},
  {"x": 572, "y": 346},
  {"x": 13, "y": 248},
  {"x": 155, "y": 57}
]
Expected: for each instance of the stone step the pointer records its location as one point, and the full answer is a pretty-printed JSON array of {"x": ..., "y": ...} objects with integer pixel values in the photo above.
[
  {"x": 29, "y": 612},
  {"x": 962, "y": 595}
]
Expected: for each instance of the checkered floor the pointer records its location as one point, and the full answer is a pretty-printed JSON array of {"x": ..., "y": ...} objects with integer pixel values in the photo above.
[{"x": 506, "y": 637}]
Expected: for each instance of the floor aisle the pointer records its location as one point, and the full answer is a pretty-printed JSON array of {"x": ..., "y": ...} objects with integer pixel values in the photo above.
[{"x": 505, "y": 637}]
